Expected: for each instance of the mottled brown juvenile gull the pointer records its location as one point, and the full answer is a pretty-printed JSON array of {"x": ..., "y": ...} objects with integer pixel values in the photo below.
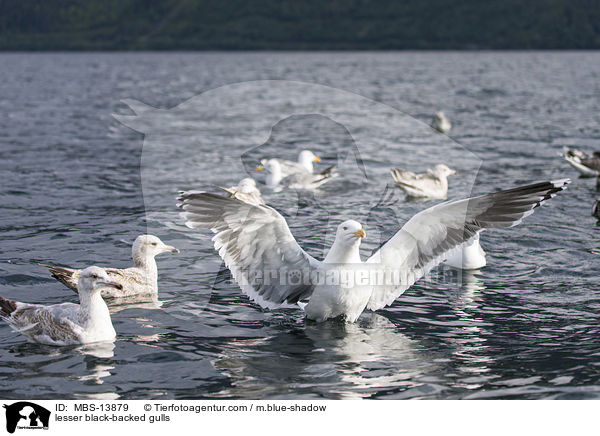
[
  {"x": 66, "y": 323},
  {"x": 432, "y": 184},
  {"x": 266, "y": 261},
  {"x": 142, "y": 278}
]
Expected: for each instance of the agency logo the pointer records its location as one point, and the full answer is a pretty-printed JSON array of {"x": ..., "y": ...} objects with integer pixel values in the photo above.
[{"x": 26, "y": 415}]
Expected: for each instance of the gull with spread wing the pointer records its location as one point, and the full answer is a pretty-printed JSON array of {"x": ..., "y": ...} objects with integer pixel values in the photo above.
[{"x": 271, "y": 268}]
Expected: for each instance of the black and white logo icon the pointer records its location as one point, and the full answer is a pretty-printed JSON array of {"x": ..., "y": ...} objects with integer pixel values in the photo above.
[{"x": 26, "y": 415}]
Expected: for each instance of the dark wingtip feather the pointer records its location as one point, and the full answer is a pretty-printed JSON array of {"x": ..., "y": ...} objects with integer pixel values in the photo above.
[
  {"x": 7, "y": 307},
  {"x": 63, "y": 275}
]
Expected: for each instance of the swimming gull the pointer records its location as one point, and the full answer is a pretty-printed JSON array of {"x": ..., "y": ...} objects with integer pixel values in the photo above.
[
  {"x": 246, "y": 191},
  {"x": 299, "y": 180},
  {"x": 441, "y": 123},
  {"x": 304, "y": 164},
  {"x": 66, "y": 323},
  {"x": 469, "y": 256},
  {"x": 266, "y": 261},
  {"x": 588, "y": 166},
  {"x": 432, "y": 184},
  {"x": 142, "y": 278}
]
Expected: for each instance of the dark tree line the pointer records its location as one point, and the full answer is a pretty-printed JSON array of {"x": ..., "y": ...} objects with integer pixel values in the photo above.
[{"x": 300, "y": 24}]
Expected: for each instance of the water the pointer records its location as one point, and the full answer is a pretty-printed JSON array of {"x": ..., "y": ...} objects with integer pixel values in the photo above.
[{"x": 77, "y": 189}]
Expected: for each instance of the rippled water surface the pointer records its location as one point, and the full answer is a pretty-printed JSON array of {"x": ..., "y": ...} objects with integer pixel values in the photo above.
[{"x": 78, "y": 185}]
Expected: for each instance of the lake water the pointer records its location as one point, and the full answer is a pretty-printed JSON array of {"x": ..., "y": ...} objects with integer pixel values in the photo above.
[{"x": 79, "y": 184}]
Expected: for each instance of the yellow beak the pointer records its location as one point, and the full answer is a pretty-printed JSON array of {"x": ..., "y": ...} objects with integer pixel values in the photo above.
[
  {"x": 260, "y": 168},
  {"x": 361, "y": 233},
  {"x": 317, "y": 159}
]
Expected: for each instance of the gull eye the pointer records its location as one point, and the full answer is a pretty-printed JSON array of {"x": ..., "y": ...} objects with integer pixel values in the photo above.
[
  {"x": 94, "y": 276},
  {"x": 155, "y": 244},
  {"x": 345, "y": 228}
]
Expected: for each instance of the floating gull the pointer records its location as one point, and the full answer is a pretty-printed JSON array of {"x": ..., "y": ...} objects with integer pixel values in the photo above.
[
  {"x": 298, "y": 180},
  {"x": 304, "y": 164},
  {"x": 245, "y": 191},
  {"x": 588, "y": 166},
  {"x": 441, "y": 123},
  {"x": 432, "y": 184},
  {"x": 470, "y": 256},
  {"x": 142, "y": 278},
  {"x": 66, "y": 323},
  {"x": 266, "y": 261}
]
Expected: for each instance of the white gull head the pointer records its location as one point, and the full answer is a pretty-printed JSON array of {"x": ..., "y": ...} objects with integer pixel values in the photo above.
[
  {"x": 274, "y": 174},
  {"x": 145, "y": 247},
  {"x": 93, "y": 279},
  {"x": 306, "y": 159},
  {"x": 442, "y": 171},
  {"x": 346, "y": 244},
  {"x": 247, "y": 185}
]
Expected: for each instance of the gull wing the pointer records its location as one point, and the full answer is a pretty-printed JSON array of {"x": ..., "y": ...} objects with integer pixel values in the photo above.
[
  {"x": 257, "y": 246},
  {"x": 67, "y": 276},
  {"x": 48, "y": 324},
  {"x": 428, "y": 237}
]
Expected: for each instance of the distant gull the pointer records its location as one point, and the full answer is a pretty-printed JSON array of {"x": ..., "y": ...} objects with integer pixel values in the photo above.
[
  {"x": 441, "y": 123},
  {"x": 268, "y": 264},
  {"x": 246, "y": 191},
  {"x": 588, "y": 166},
  {"x": 432, "y": 184},
  {"x": 66, "y": 323},
  {"x": 142, "y": 278},
  {"x": 469, "y": 256},
  {"x": 298, "y": 180},
  {"x": 304, "y": 164}
]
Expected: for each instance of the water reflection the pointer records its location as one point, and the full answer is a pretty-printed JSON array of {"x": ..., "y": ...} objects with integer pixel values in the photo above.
[
  {"x": 148, "y": 302},
  {"x": 468, "y": 340},
  {"x": 98, "y": 363},
  {"x": 349, "y": 361}
]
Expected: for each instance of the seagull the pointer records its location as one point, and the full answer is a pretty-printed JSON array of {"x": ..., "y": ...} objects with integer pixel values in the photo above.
[
  {"x": 441, "y": 123},
  {"x": 588, "y": 166},
  {"x": 432, "y": 184},
  {"x": 142, "y": 278},
  {"x": 66, "y": 323},
  {"x": 304, "y": 164},
  {"x": 270, "y": 267},
  {"x": 470, "y": 256},
  {"x": 298, "y": 180},
  {"x": 246, "y": 191}
]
